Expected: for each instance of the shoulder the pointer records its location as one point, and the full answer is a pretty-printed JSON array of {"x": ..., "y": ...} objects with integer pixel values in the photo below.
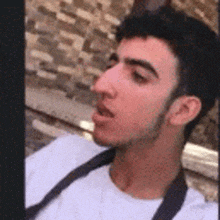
[
  {"x": 196, "y": 208},
  {"x": 69, "y": 147},
  {"x": 48, "y": 166}
]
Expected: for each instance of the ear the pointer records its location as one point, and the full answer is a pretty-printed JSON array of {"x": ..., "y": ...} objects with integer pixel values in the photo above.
[{"x": 184, "y": 109}]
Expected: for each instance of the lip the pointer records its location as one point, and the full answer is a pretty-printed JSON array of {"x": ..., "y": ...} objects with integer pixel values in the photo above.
[
  {"x": 98, "y": 118},
  {"x": 102, "y": 108}
]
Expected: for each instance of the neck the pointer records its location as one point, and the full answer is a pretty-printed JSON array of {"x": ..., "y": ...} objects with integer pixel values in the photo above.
[{"x": 146, "y": 171}]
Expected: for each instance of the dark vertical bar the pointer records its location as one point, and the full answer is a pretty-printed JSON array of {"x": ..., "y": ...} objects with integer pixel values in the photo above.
[{"x": 12, "y": 110}]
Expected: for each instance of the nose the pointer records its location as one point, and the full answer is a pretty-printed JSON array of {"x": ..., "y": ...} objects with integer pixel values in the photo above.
[{"x": 105, "y": 85}]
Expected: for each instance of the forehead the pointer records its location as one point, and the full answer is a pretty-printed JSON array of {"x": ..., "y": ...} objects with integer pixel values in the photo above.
[
  {"x": 150, "y": 43},
  {"x": 153, "y": 50}
]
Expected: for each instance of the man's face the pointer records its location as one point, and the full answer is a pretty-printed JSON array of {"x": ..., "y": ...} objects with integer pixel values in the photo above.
[{"x": 134, "y": 92}]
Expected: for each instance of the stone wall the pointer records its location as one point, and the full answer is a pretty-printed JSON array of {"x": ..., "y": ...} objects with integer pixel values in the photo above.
[
  {"x": 69, "y": 41},
  {"x": 68, "y": 38}
]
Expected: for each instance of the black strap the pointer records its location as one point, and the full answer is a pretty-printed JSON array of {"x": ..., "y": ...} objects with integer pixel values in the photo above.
[
  {"x": 173, "y": 199},
  {"x": 101, "y": 159},
  {"x": 172, "y": 203}
]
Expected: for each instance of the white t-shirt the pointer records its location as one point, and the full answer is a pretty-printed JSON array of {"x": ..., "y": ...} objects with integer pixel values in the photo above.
[{"x": 94, "y": 196}]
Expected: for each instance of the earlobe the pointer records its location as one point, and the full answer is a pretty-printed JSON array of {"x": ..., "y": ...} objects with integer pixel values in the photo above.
[{"x": 184, "y": 110}]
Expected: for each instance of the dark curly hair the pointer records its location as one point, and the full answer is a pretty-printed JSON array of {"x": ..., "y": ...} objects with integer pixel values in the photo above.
[{"x": 195, "y": 45}]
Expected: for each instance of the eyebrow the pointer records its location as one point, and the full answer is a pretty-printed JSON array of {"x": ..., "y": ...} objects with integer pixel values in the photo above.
[{"x": 143, "y": 63}]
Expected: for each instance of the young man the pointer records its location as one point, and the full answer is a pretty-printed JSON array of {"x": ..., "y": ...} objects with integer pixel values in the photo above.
[{"x": 162, "y": 81}]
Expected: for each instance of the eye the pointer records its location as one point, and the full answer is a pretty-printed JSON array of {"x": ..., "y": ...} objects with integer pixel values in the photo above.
[{"x": 138, "y": 77}]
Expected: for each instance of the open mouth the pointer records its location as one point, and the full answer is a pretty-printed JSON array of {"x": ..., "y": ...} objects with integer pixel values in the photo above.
[{"x": 102, "y": 110}]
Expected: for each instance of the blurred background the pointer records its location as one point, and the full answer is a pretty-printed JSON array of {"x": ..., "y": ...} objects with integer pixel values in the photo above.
[{"x": 67, "y": 45}]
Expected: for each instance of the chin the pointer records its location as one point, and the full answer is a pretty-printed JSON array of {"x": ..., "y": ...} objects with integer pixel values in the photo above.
[
  {"x": 104, "y": 139},
  {"x": 109, "y": 142},
  {"x": 101, "y": 141}
]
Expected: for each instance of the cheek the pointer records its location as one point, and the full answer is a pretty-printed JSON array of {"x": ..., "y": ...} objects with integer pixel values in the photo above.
[{"x": 136, "y": 100}]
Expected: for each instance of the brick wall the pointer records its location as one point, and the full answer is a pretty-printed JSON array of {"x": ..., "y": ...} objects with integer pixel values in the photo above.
[{"x": 70, "y": 40}]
